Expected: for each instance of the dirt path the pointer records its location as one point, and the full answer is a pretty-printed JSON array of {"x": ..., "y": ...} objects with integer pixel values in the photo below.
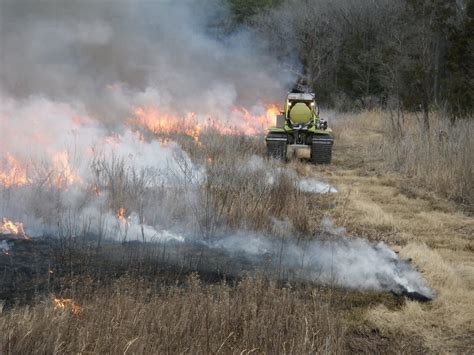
[{"x": 421, "y": 226}]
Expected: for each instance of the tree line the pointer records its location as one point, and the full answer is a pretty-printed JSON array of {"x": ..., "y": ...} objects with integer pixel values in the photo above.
[{"x": 409, "y": 55}]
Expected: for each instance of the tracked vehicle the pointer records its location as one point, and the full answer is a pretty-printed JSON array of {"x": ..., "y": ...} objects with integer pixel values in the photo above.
[{"x": 300, "y": 131}]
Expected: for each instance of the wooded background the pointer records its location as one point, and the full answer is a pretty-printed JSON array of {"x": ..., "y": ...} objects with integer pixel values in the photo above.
[{"x": 410, "y": 55}]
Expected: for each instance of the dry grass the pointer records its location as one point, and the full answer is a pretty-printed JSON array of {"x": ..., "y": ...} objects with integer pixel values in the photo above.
[
  {"x": 440, "y": 160},
  {"x": 243, "y": 190},
  {"x": 449, "y": 321},
  {"x": 406, "y": 209},
  {"x": 130, "y": 317}
]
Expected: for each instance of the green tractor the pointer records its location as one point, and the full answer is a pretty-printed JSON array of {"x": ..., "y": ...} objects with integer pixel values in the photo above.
[{"x": 300, "y": 131}]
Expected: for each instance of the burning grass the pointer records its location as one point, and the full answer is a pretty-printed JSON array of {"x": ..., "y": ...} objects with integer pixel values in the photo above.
[
  {"x": 13, "y": 228},
  {"x": 67, "y": 304}
]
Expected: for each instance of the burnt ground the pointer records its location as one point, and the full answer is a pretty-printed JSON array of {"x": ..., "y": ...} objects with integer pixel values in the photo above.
[{"x": 40, "y": 266}]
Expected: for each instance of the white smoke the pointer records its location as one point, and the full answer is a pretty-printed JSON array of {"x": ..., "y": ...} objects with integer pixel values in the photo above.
[
  {"x": 314, "y": 186},
  {"x": 333, "y": 259},
  {"x": 338, "y": 260},
  {"x": 113, "y": 56},
  {"x": 4, "y": 247},
  {"x": 73, "y": 73},
  {"x": 309, "y": 185},
  {"x": 55, "y": 147},
  {"x": 132, "y": 230}
]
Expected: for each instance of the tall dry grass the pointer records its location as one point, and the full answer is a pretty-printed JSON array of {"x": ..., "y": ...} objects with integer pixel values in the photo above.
[
  {"x": 130, "y": 317},
  {"x": 440, "y": 159},
  {"x": 244, "y": 190}
]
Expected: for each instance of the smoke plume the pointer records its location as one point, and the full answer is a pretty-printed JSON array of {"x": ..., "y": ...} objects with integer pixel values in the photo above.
[
  {"x": 113, "y": 56},
  {"x": 333, "y": 259}
]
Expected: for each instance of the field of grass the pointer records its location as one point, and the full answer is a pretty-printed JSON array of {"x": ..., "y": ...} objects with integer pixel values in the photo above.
[
  {"x": 387, "y": 192},
  {"x": 420, "y": 213}
]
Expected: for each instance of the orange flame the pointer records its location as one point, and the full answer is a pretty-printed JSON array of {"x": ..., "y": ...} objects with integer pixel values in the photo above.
[
  {"x": 9, "y": 227},
  {"x": 157, "y": 122},
  {"x": 60, "y": 173},
  {"x": 12, "y": 173},
  {"x": 256, "y": 124},
  {"x": 243, "y": 122},
  {"x": 67, "y": 303},
  {"x": 65, "y": 175}
]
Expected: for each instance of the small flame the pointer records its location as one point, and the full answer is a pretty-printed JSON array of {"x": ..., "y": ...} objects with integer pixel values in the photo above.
[
  {"x": 121, "y": 215},
  {"x": 67, "y": 303},
  {"x": 14, "y": 228},
  {"x": 9, "y": 227},
  {"x": 95, "y": 190}
]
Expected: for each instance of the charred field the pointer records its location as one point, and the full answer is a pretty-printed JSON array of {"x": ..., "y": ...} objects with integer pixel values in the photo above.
[{"x": 33, "y": 269}]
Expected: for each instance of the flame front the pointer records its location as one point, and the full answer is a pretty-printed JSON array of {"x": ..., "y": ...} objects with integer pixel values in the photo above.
[
  {"x": 256, "y": 124},
  {"x": 57, "y": 172},
  {"x": 240, "y": 121},
  {"x": 163, "y": 123},
  {"x": 55, "y": 166}
]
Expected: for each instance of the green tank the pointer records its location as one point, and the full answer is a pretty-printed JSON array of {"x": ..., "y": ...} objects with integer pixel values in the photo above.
[{"x": 299, "y": 130}]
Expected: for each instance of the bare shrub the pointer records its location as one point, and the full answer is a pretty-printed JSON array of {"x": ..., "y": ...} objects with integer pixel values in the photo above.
[{"x": 243, "y": 190}]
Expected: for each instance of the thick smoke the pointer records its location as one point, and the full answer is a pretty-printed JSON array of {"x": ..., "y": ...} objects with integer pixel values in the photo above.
[
  {"x": 57, "y": 162},
  {"x": 112, "y": 56}
]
